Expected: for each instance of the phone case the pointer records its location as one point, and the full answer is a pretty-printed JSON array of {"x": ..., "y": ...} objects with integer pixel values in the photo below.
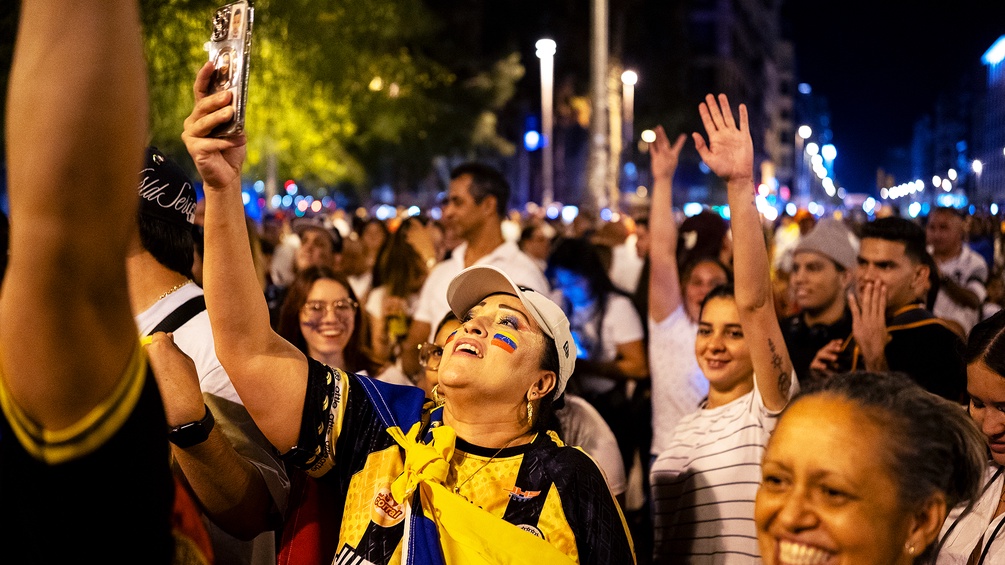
[{"x": 230, "y": 52}]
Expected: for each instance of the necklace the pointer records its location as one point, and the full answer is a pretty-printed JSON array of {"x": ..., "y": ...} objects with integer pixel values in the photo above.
[
  {"x": 457, "y": 489},
  {"x": 172, "y": 289}
]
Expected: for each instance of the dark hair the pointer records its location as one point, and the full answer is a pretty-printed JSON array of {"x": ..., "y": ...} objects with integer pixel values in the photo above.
[
  {"x": 709, "y": 230},
  {"x": 447, "y": 318},
  {"x": 545, "y": 418},
  {"x": 934, "y": 281},
  {"x": 288, "y": 326},
  {"x": 945, "y": 210},
  {"x": 582, "y": 257},
  {"x": 485, "y": 181},
  {"x": 724, "y": 290},
  {"x": 986, "y": 343},
  {"x": 170, "y": 244},
  {"x": 399, "y": 265},
  {"x": 690, "y": 266},
  {"x": 932, "y": 445},
  {"x": 901, "y": 231}
]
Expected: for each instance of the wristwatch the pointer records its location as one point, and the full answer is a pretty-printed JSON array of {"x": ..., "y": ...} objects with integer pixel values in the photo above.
[{"x": 192, "y": 433}]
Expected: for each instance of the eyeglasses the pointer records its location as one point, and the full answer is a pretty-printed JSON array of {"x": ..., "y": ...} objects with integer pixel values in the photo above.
[
  {"x": 430, "y": 355},
  {"x": 316, "y": 309}
]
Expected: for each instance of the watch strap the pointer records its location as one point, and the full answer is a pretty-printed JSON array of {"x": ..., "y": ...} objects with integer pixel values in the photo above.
[{"x": 192, "y": 433}]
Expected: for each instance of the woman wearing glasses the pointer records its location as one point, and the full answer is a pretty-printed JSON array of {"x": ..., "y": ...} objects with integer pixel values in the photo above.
[
  {"x": 321, "y": 317},
  {"x": 476, "y": 480}
]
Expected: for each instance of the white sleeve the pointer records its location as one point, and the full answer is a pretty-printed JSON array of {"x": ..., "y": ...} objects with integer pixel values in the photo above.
[{"x": 622, "y": 321}]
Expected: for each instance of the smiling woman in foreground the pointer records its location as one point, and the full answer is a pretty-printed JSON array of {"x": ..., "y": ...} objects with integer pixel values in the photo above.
[
  {"x": 474, "y": 480},
  {"x": 862, "y": 471}
]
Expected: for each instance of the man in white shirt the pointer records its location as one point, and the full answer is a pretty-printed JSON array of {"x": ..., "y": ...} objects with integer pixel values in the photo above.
[
  {"x": 962, "y": 272},
  {"x": 475, "y": 208}
]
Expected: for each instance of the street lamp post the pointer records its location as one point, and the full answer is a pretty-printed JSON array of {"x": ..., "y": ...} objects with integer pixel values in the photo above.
[
  {"x": 628, "y": 81},
  {"x": 802, "y": 134},
  {"x": 546, "y": 53}
]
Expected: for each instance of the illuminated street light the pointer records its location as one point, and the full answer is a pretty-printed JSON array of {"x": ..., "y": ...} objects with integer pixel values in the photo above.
[
  {"x": 936, "y": 181},
  {"x": 648, "y": 136},
  {"x": 804, "y": 132},
  {"x": 812, "y": 148},
  {"x": 829, "y": 152},
  {"x": 628, "y": 81},
  {"x": 977, "y": 166},
  {"x": 951, "y": 174},
  {"x": 546, "y": 53}
]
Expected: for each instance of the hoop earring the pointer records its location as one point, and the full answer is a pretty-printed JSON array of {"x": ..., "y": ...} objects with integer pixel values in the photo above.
[{"x": 437, "y": 399}]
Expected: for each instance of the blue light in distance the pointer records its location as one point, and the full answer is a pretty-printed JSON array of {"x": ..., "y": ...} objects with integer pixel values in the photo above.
[
  {"x": 704, "y": 168},
  {"x": 277, "y": 201},
  {"x": 287, "y": 201},
  {"x": 914, "y": 209},
  {"x": 805, "y": 88},
  {"x": 791, "y": 209},
  {"x": 532, "y": 140},
  {"x": 569, "y": 213},
  {"x": 724, "y": 212},
  {"x": 996, "y": 53},
  {"x": 413, "y": 211},
  {"x": 994, "y": 209},
  {"x": 829, "y": 152},
  {"x": 692, "y": 209},
  {"x": 606, "y": 214},
  {"x": 259, "y": 186},
  {"x": 553, "y": 212}
]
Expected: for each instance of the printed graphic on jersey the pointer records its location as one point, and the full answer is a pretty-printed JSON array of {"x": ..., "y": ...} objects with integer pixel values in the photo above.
[
  {"x": 386, "y": 512},
  {"x": 520, "y": 495}
]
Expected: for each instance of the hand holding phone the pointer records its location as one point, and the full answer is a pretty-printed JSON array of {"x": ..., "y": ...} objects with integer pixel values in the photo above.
[{"x": 230, "y": 52}]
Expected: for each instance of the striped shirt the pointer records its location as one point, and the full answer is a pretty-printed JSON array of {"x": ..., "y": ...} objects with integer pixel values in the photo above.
[{"x": 705, "y": 483}]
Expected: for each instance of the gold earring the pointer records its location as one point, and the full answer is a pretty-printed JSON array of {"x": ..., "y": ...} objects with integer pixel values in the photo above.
[
  {"x": 437, "y": 399},
  {"x": 530, "y": 414},
  {"x": 910, "y": 549}
]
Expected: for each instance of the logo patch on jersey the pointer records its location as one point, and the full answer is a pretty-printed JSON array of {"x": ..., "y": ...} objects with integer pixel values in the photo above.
[
  {"x": 386, "y": 511},
  {"x": 531, "y": 529},
  {"x": 521, "y": 495},
  {"x": 504, "y": 341}
]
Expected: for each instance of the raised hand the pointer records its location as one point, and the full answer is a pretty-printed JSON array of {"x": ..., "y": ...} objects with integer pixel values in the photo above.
[
  {"x": 868, "y": 324},
  {"x": 826, "y": 358},
  {"x": 218, "y": 160},
  {"x": 663, "y": 157},
  {"x": 730, "y": 150}
]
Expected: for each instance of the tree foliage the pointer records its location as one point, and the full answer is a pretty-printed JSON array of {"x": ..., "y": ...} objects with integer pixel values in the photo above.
[{"x": 341, "y": 92}]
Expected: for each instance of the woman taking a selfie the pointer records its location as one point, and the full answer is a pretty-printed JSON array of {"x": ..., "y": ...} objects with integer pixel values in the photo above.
[{"x": 472, "y": 479}]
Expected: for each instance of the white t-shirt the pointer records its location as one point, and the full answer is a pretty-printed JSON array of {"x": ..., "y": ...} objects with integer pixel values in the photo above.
[
  {"x": 195, "y": 338},
  {"x": 626, "y": 265},
  {"x": 704, "y": 484},
  {"x": 584, "y": 427},
  {"x": 621, "y": 325},
  {"x": 678, "y": 385},
  {"x": 432, "y": 305},
  {"x": 963, "y": 531},
  {"x": 969, "y": 270}
]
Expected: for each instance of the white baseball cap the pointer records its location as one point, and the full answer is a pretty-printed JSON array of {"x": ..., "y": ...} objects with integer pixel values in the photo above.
[{"x": 473, "y": 284}]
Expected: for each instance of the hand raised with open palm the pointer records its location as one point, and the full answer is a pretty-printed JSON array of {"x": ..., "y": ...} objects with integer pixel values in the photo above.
[{"x": 730, "y": 150}]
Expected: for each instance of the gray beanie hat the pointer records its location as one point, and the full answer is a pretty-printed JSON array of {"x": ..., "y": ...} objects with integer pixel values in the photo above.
[{"x": 831, "y": 239}]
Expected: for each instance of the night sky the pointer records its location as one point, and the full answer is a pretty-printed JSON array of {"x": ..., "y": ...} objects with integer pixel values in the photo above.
[{"x": 882, "y": 64}]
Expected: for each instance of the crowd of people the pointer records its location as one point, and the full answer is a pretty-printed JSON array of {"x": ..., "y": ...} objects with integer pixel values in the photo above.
[{"x": 181, "y": 385}]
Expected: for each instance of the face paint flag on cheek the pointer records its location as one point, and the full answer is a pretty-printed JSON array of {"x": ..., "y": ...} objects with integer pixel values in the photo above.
[
  {"x": 450, "y": 338},
  {"x": 505, "y": 341}
]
